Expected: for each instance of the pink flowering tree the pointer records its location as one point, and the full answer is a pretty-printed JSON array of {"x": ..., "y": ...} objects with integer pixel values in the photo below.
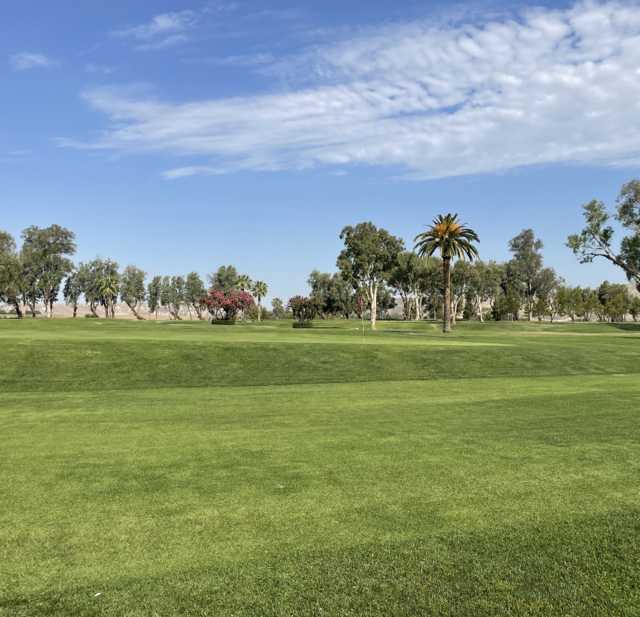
[{"x": 228, "y": 304}]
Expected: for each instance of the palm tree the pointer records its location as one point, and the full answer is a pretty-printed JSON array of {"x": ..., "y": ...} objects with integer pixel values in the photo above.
[
  {"x": 453, "y": 240},
  {"x": 109, "y": 288},
  {"x": 260, "y": 290},
  {"x": 243, "y": 282}
]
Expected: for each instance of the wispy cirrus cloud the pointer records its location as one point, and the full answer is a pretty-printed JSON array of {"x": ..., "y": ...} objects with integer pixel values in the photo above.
[
  {"x": 26, "y": 60},
  {"x": 546, "y": 86},
  {"x": 161, "y": 31}
]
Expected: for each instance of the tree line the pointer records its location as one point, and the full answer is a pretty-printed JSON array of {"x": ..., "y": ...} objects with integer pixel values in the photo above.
[
  {"x": 442, "y": 276},
  {"x": 42, "y": 268}
]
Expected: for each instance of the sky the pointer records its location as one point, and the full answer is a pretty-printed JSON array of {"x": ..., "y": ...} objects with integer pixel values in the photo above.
[{"x": 181, "y": 136}]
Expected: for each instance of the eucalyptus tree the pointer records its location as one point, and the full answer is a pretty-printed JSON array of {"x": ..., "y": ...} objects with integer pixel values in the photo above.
[
  {"x": 596, "y": 240},
  {"x": 132, "y": 290},
  {"x": 278, "y": 308},
  {"x": 367, "y": 260},
  {"x": 10, "y": 273},
  {"x": 526, "y": 264},
  {"x": 195, "y": 293},
  {"x": 405, "y": 279},
  {"x": 45, "y": 257},
  {"x": 260, "y": 290},
  {"x": 172, "y": 295},
  {"x": 453, "y": 240},
  {"x": 154, "y": 289},
  {"x": 72, "y": 291}
]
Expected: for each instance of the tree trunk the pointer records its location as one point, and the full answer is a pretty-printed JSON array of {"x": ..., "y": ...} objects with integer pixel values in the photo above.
[
  {"x": 75, "y": 311},
  {"x": 373, "y": 292},
  {"x": 446, "y": 272},
  {"x": 259, "y": 310},
  {"x": 135, "y": 312},
  {"x": 16, "y": 305}
]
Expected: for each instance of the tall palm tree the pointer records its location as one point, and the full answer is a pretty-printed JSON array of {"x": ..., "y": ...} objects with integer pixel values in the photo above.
[
  {"x": 244, "y": 282},
  {"x": 260, "y": 290},
  {"x": 453, "y": 240}
]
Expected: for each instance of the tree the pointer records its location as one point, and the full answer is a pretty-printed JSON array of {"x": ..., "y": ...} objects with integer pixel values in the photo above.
[
  {"x": 462, "y": 275},
  {"x": 304, "y": 310},
  {"x": 225, "y": 278},
  {"x": 615, "y": 300},
  {"x": 634, "y": 308},
  {"x": 10, "y": 273},
  {"x": 194, "y": 293},
  {"x": 453, "y": 240},
  {"x": 406, "y": 279},
  {"x": 526, "y": 264},
  {"x": 596, "y": 239},
  {"x": 244, "y": 282},
  {"x": 228, "y": 303},
  {"x": 172, "y": 295},
  {"x": 45, "y": 256},
  {"x": 132, "y": 289},
  {"x": 72, "y": 291},
  {"x": 260, "y": 290},
  {"x": 154, "y": 290},
  {"x": 278, "y": 309},
  {"x": 367, "y": 260},
  {"x": 109, "y": 286},
  {"x": 484, "y": 286}
]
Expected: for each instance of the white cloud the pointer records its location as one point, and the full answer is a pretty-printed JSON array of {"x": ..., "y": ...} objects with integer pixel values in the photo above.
[
  {"x": 161, "y": 31},
  {"x": 27, "y": 60},
  {"x": 552, "y": 86}
]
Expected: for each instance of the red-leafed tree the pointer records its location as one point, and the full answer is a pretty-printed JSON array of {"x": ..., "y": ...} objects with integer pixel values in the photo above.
[{"x": 227, "y": 304}]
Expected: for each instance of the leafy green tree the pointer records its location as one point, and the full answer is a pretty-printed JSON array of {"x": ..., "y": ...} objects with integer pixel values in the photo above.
[
  {"x": 406, "y": 279},
  {"x": 634, "y": 308},
  {"x": 172, "y": 295},
  {"x": 100, "y": 284},
  {"x": 615, "y": 300},
  {"x": 10, "y": 273},
  {"x": 367, "y": 260},
  {"x": 526, "y": 265},
  {"x": 195, "y": 294},
  {"x": 260, "y": 290},
  {"x": 132, "y": 291},
  {"x": 278, "y": 309},
  {"x": 596, "y": 240},
  {"x": 453, "y": 240},
  {"x": 590, "y": 303},
  {"x": 45, "y": 259},
  {"x": 484, "y": 286},
  {"x": 154, "y": 289},
  {"x": 225, "y": 278},
  {"x": 72, "y": 291},
  {"x": 462, "y": 275}
]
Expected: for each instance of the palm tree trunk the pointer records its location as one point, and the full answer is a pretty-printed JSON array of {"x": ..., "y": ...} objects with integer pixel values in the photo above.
[{"x": 446, "y": 272}]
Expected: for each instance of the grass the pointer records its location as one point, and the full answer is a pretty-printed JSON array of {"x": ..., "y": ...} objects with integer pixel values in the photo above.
[{"x": 179, "y": 469}]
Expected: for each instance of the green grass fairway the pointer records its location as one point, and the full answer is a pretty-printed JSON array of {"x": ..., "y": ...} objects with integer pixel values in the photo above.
[{"x": 176, "y": 469}]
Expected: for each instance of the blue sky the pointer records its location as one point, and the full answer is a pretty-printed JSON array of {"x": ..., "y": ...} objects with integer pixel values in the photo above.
[{"x": 186, "y": 135}]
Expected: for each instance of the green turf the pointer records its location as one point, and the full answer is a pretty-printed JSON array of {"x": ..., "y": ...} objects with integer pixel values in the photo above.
[{"x": 182, "y": 469}]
